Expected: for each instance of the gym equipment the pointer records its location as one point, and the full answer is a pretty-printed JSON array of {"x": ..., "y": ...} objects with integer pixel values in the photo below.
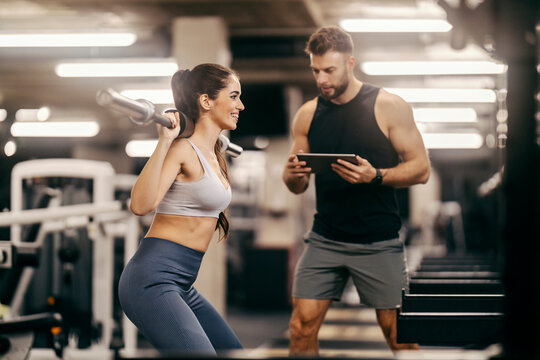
[
  {"x": 450, "y": 329},
  {"x": 142, "y": 112},
  {"x": 70, "y": 212},
  {"x": 456, "y": 275},
  {"x": 453, "y": 300},
  {"x": 456, "y": 260},
  {"x": 455, "y": 267},
  {"x": 446, "y": 303},
  {"x": 456, "y": 286},
  {"x": 451, "y": 312},
  {"x": 17, "y": 335},
  {"x": 104, "y": 219}
]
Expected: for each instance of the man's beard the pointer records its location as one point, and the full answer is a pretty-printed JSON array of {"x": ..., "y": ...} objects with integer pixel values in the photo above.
[{"x": 338, "y": 90}]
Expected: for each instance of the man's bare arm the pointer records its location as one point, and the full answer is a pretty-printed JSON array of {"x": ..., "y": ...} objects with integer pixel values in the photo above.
[
  {"x": 406, "y": 140},
  {"x": 395, "y": 119},
  {"x": 295, "y": 175}
]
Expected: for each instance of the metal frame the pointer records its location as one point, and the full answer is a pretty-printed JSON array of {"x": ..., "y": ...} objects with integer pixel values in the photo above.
[{"x": 102, "y": 218}]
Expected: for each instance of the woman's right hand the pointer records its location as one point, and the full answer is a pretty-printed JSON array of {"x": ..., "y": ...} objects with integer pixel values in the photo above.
[{"x": 172, "y": 133}]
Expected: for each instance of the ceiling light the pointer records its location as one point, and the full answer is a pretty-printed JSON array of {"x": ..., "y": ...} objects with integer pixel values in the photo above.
[
  {"x": 431, "y": 95},
  {"x": 55, "y": 129},
  {"x": 445, "y": 115},
  {"x": 3, "y": 114},
  {"x": 10, "y": 148},
  {"x": 156, "y": 96},
  {"x": 117, "y": 69},
  {"x": 432, "y": 68},
  {"x": 67, "y": 39},
  {"x": 395, "y": 25},
  {"x": 423, "y": 9},
  {"x": 40, "y": 114},
  {"x": 452, "y": 140},
  {"x": 140, "y": 148}
]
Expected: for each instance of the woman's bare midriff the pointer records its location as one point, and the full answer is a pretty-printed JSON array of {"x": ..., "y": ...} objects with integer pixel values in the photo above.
[{"x": 193, "y": 232}]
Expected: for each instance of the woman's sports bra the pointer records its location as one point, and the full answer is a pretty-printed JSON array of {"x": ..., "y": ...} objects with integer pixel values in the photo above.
[{"x": 204, "y": 197}]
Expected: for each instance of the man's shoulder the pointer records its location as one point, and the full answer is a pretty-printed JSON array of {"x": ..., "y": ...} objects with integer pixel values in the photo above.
[
  {"x": 309, "y": 107},
  {"x": 391, "y": 108},
  {"x": 307, "y": 110},
  {"x": 386, "y": 98},
  {"x": 304, "y": 115}
]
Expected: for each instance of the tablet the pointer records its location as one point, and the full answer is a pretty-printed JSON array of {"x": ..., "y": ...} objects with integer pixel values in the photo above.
[{"x": 320, "y": 163}]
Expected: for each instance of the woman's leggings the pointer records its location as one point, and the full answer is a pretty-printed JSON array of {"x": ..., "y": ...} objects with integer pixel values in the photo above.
[{"x": 157, "y": 295}]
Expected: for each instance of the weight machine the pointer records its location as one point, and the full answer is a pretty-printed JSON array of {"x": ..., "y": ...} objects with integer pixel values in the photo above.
[{"x": 104, "y": 218}]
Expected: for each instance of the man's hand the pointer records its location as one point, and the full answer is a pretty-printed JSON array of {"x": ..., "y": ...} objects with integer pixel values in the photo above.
[
  {"x": 364, "y": 172},
  {"x": 295, "y": 169}
]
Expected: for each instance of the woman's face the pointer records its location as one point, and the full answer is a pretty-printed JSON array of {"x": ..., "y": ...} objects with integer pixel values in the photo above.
[{"x": 227, "y": 105}]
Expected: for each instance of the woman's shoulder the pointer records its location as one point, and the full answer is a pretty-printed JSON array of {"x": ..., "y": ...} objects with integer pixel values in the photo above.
[
  {"x": 183, "y": 154},
  {"x": 182, "y": 149},
  {"x": 181, "y": 144}
]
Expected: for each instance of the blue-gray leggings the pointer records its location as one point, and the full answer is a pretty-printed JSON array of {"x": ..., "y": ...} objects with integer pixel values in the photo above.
[{"x": 157, "y": 295}]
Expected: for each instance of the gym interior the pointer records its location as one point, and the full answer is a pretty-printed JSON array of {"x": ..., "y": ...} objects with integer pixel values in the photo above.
[{"x": 68, "y": 163}]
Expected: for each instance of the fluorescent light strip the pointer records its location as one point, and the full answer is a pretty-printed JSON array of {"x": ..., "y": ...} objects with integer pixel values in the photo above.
[
  {"x": 140, "y": 148},
  {"x": 55, "y": 129},
  {"x": 145, "y": 148},
  {"x": 40, "y": 114},
  {"x": 452, "y": 140},
  {"x": 116, "y": 69},
  {"x": 156, "y": 96},
  {"x": 432, "y": 68},
  {"x": 3, "y": 114},
  {"x": 445, "y": 115},
  {"x": 431, "y": 95},
  {"x": 395, "y": 25},
  {"x": 67, "y": 40},
  {"x": 422, "y": 10}
]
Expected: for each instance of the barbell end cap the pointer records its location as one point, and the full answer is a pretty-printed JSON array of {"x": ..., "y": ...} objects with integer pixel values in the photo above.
[
  {"x": 234, "y": 150},
  {"x": 104, "y": 97}
]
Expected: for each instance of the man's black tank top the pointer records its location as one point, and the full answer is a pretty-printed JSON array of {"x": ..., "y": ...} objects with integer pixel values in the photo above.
[{"x": 362, "y": 213}]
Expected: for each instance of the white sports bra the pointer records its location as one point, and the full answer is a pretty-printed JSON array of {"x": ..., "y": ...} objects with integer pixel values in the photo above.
[{"x": 206, "y": 196}]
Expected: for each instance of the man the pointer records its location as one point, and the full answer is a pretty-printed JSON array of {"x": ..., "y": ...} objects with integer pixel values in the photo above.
[{"x": 355, "y": 228}]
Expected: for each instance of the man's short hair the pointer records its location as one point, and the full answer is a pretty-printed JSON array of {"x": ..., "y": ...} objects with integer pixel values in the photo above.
[{"x": 329, "y": 38}]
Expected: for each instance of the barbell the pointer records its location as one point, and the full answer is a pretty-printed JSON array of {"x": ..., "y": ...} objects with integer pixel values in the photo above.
[{"x": 142, "y": 112}]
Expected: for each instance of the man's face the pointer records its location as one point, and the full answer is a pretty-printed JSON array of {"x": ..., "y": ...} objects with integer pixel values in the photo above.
[{"x": 331, "y": 72}]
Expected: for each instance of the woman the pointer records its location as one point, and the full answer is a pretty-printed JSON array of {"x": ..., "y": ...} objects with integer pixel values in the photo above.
[{"x": 186, "y": 182}]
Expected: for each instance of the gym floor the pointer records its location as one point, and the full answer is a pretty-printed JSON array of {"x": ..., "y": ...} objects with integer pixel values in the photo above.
[{"x": 255, "y": 328}]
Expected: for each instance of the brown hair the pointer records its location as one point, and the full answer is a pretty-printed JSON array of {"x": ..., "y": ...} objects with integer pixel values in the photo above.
[
  {"x": 187, "y": 86},
  {"x": 329, "y": 38}
]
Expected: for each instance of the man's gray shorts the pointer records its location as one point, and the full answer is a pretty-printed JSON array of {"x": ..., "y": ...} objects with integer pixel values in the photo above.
[{"x": 378, "y": 270}]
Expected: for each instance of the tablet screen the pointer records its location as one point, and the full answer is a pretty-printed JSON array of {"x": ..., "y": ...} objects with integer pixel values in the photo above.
[{"x": 320, "y": 163}]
